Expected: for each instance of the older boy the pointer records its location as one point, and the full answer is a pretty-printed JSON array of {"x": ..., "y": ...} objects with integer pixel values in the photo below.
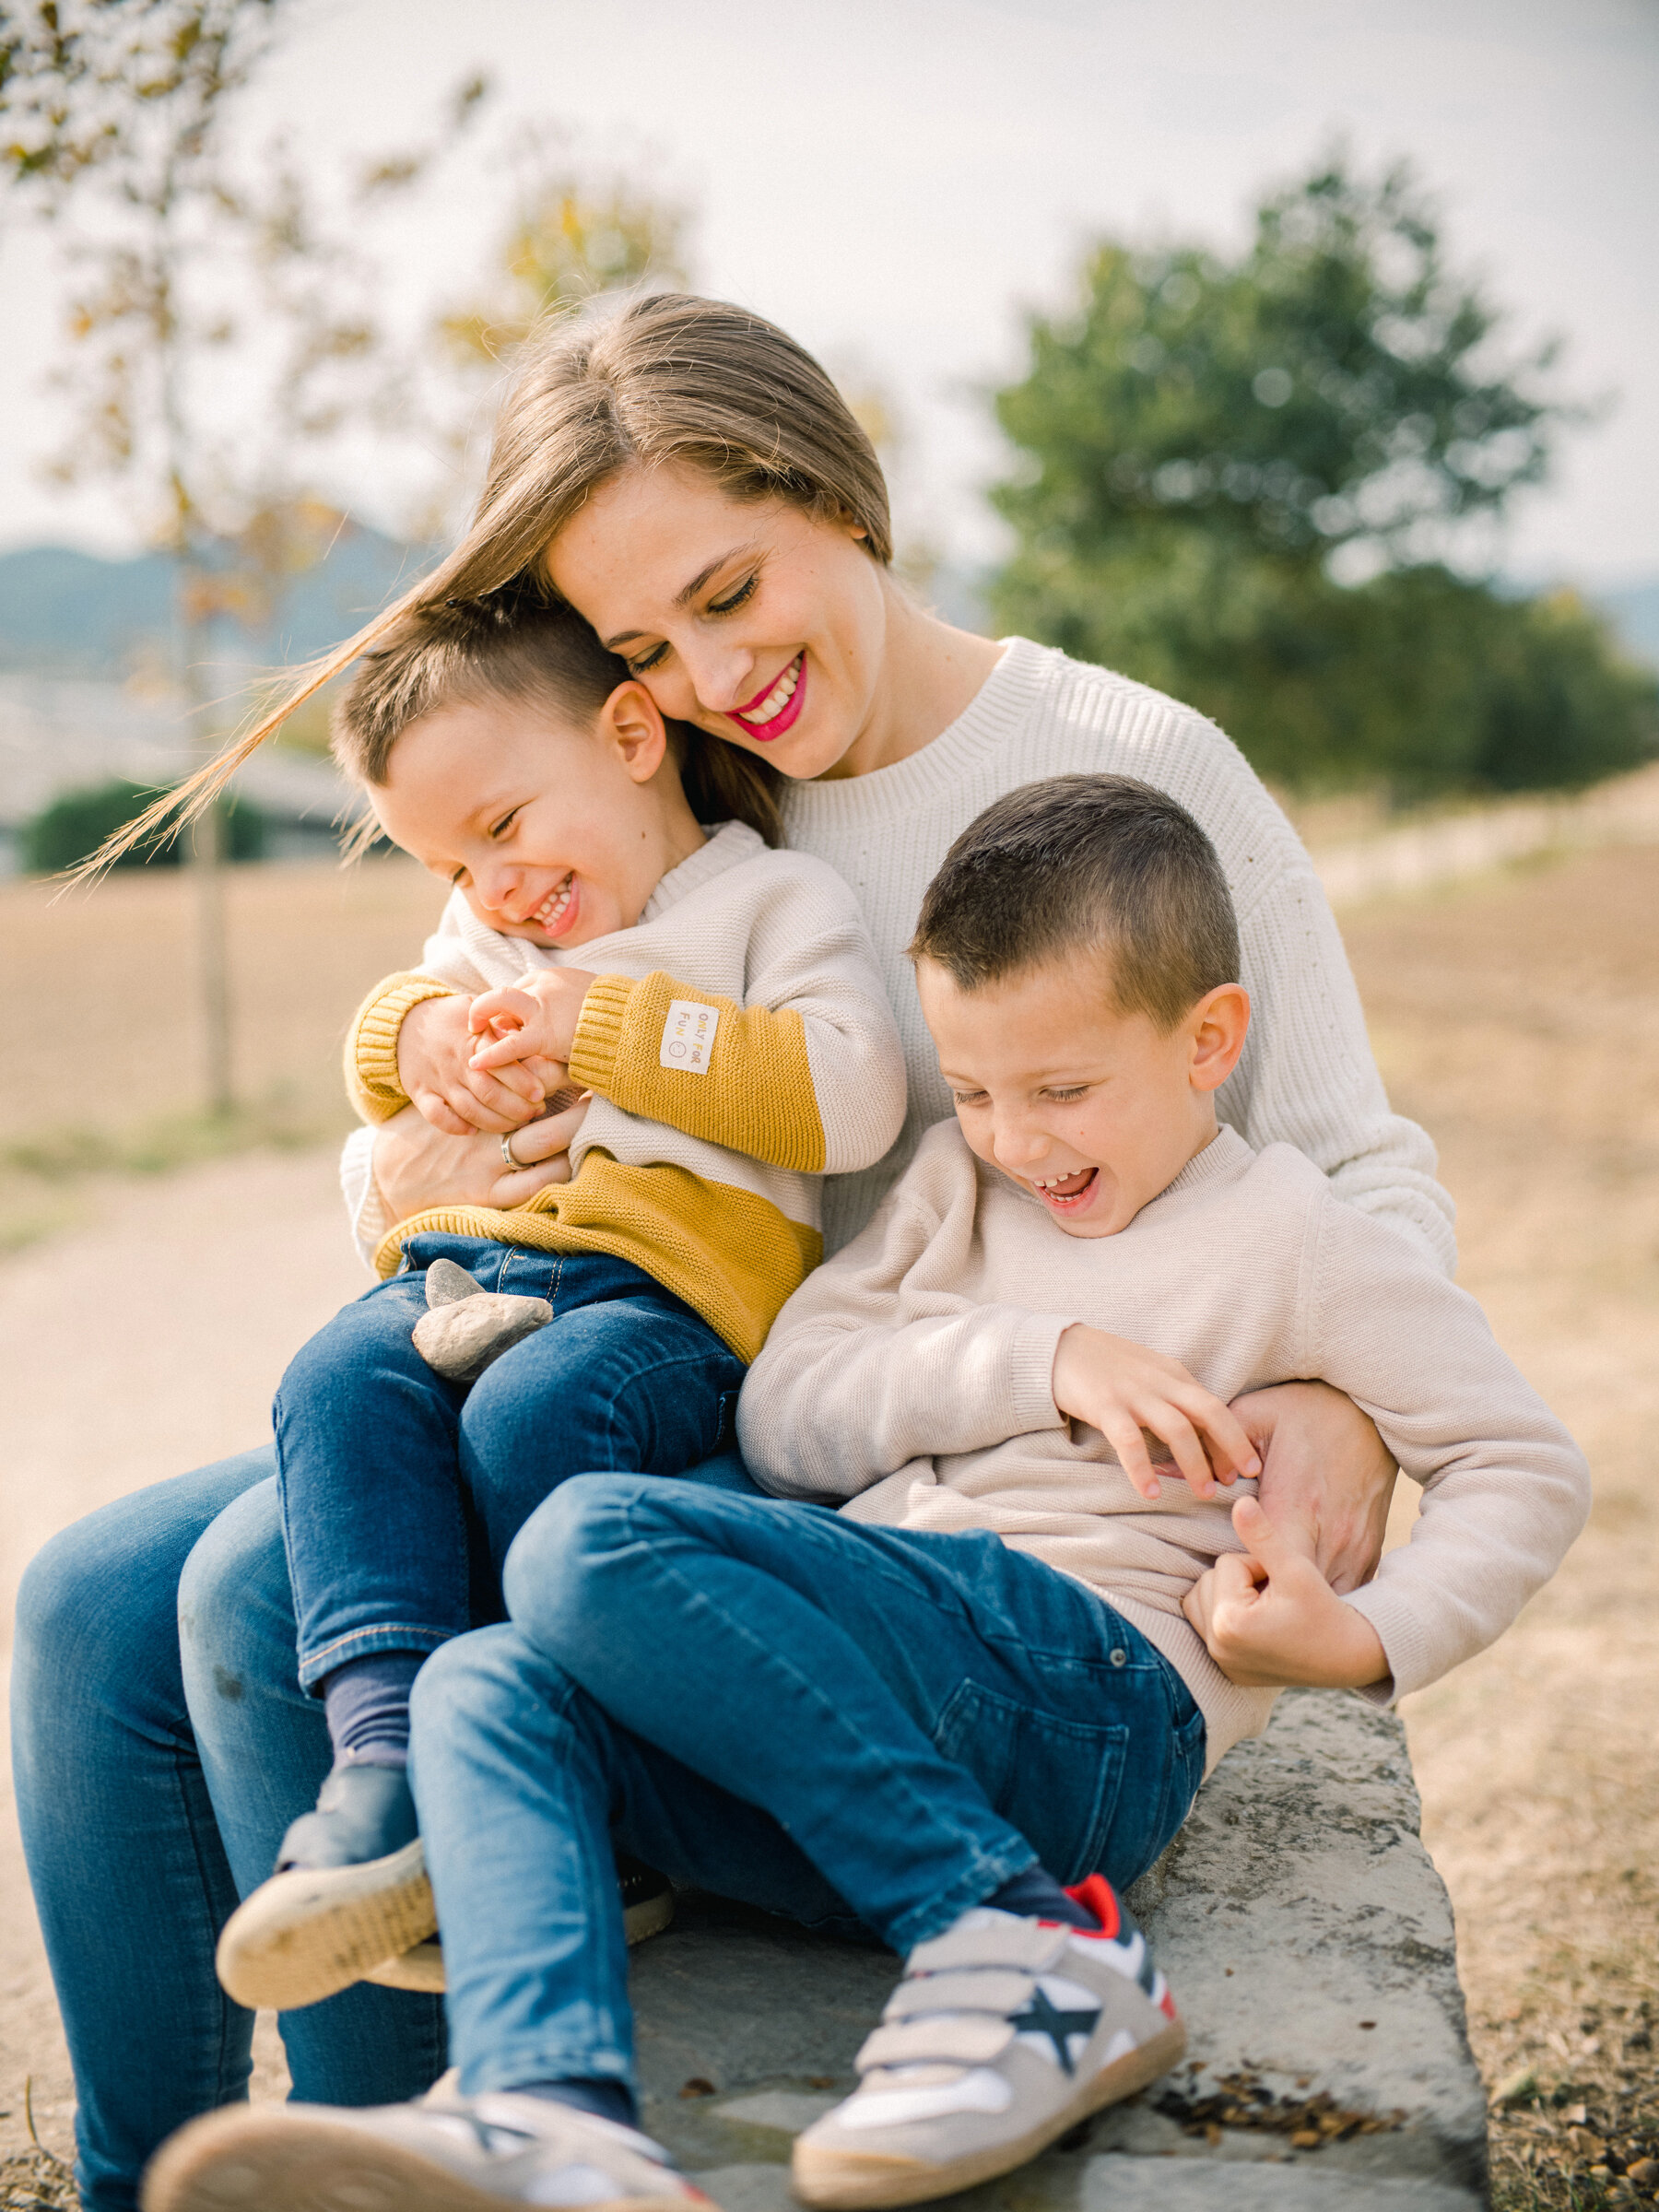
[{"x": 1006, "y": 1664}]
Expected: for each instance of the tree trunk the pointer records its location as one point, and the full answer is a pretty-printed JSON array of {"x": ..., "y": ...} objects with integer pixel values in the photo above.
[{"x": 209, "y": 843}]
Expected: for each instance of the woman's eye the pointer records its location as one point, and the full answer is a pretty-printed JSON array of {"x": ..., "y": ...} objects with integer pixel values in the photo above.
[
  {"x": 730, "y": 605},
  {"x": 1063, "y": 1097},
  {"x": 643, "y": 661}
]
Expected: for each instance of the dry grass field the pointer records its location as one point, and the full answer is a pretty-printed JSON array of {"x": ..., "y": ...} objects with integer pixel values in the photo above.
[
  {"x": 1516, "y": 1015},
  {"x": 102, "y": 986}
]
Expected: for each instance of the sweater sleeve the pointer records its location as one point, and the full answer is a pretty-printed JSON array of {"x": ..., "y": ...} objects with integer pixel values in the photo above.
[
  {"x": 875, "y": 1361},
  {"x": 1505, "y": 1488},
  {"x": 1308, "y": 1076},
  {"x": 372, "y": 1078},
  {"x": 807, "y": 1073}
]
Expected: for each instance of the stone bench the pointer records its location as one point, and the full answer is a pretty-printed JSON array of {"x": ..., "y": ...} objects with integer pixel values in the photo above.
[{"x": 1309, "y": 1942}]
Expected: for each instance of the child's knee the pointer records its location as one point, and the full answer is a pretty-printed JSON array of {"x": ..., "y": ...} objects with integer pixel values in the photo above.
[{"x": 551, "y": 1581}]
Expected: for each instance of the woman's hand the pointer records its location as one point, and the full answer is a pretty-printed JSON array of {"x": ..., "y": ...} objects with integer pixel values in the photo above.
[
  {"x": 1327, "y": 1477},
  {"x": 417, "y": 1165},
  {"x": 1120, "y": 1388},
  {"x": 1270, "y": 1620}
]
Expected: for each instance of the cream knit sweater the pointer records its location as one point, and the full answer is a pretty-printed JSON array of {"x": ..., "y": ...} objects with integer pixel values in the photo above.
[
  {"x": 1307, "y": 1076},
  {"x": 913, "y": 1373}
]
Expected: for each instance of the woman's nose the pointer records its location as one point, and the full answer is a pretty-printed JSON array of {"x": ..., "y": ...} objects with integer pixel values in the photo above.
[{"x": 722, "y": 675}]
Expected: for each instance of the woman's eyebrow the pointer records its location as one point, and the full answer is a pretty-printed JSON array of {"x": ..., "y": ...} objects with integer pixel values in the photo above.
[{"x": 684, "y": 597}]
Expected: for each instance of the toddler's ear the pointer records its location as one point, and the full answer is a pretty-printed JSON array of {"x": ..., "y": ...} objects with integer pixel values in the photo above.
[{"x": 631, "y": 721}]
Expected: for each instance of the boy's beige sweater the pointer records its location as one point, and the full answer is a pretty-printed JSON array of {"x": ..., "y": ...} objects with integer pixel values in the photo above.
[{"x": 912, "y": 1374}]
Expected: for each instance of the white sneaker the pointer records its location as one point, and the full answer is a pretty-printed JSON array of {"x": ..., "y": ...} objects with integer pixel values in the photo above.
[
  {"x": 443, "y": 2154},
  {"x": 1003, "y": 2033}
]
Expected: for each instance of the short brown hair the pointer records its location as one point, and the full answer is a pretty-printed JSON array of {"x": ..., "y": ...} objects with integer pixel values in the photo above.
[
  {"x": 518, "y": 645},
  {"x": 1095, "y": 863}
]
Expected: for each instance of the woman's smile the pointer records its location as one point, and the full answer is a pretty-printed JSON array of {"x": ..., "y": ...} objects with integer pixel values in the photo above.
[{"x": 777, "y": 708}]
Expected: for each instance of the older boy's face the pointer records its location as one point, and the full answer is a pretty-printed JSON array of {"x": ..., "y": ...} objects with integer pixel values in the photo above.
[{"x": 1091, "y": 1111}]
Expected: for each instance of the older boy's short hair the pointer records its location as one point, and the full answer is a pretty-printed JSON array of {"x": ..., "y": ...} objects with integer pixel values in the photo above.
[
  {"x": 518, "y": 645},
  {"x": 1085, "y": 864}
]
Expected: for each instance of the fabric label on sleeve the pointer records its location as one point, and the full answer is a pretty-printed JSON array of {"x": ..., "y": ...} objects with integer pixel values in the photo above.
[{"x": 688, "y": 1036}]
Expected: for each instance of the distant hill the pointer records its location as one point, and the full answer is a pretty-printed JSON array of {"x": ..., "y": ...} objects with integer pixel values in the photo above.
[{"x": 69, "y": 614}]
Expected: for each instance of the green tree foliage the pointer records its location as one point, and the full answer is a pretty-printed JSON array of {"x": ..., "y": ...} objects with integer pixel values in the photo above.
[
  {"x": 76, "y": 823},
  {"x": 1240, "y": 481}
]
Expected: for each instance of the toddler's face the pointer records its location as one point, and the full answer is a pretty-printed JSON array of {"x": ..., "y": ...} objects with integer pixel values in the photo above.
[
  {"x": 544, "y": 827},
  {"x": 1092, "y": 1111}
]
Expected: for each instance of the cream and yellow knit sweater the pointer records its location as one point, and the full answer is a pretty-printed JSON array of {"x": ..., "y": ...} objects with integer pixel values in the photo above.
[{"x": 703, "y": 1166}]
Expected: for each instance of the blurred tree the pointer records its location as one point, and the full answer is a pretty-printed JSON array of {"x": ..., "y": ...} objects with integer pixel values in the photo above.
[
  {"x": 221, "y": 333},
  {"x": 572, "y": 237},
  {"x": 1242, "y": 481},
  {"x": 76, "y": 823}
]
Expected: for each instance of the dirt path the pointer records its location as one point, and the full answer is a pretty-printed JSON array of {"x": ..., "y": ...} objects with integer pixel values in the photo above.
[
  {"x": 130, "y": 1351},
  {"x": 1518, "y": 1017}
]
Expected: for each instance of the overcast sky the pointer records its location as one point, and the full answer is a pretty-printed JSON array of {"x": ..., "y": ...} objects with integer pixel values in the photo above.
[{"x": 894, "y": 180}]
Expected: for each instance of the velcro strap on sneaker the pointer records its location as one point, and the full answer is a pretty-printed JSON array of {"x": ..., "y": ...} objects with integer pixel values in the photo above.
[
  {"x": 1002, "y": 1941},
  {"x": 962, "y": 2039},
  {"x": 997, "y": 1989}
]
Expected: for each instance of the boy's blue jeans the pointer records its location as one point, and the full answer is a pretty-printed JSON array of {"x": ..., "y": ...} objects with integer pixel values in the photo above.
[
  {"x": 401, "y": 1492},
  {"x": 779, "y": 1705},
  {"x": 162, "y": 1743}
]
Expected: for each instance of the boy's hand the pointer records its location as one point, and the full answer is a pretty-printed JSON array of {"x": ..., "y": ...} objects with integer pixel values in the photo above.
[
  {"x": 1270, "y": 1620},
  {"x": 434, "y": 1049},
  {"x": 532, "y": 1027},
  {"x": 1120, "y": 1388}
]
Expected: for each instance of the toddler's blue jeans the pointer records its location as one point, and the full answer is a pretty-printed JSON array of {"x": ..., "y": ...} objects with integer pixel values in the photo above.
[{"x": 401, "y": 1492}]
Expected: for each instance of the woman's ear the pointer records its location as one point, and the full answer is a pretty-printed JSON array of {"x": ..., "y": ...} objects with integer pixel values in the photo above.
[
  {"x": 630, "y": 721},
  {"x": 1217, "y": 1027}
]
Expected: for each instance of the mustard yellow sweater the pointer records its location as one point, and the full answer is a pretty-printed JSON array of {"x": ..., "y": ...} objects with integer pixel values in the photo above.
[{"x": 739, "y": 1046}]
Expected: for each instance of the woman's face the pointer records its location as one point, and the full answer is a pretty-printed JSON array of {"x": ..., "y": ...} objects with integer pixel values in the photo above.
[{"x": 750, "y": 619}]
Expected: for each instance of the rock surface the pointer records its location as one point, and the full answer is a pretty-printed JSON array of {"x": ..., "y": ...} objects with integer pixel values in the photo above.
[
  {"x": 460, "y": 1339},
  {"x": 1309, "y": 1942}
]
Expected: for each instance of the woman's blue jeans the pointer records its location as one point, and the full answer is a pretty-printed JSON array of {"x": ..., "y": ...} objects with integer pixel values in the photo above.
[
  {"x": 136, "y": 1858},
  {"x": 779, "y": 1705},
  {"x": 145, "y": 1815},
  {"x": 401, "y": 1492}
]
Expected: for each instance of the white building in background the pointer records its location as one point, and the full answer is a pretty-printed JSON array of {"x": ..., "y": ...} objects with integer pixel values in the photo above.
[{"x": 64, "y": 733}]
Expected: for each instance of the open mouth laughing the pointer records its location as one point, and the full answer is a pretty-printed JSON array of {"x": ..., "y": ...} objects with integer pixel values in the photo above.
[
  {"x": 776, "y": 709},
  {"x": 1067, "y": 1194},
  {"x": 558, "y": 909}
]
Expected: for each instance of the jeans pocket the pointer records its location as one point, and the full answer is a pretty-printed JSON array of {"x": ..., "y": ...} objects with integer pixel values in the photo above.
[{"x": 1055, "y": 1778}]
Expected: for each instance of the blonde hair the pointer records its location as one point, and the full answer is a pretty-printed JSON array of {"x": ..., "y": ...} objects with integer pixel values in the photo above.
[
  {"x": 672, "y": 379},
  {"x": 518, "y": 644}
]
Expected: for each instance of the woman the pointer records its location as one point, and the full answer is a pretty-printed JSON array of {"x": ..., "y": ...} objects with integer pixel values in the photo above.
[{"x": 690, "y": 481}]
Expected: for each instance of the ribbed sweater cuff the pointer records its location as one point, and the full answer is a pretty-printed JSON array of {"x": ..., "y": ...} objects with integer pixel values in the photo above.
[
  {"x": 1400, "y": 1631},
  {"x": 598, "y": 1037},
  {"x": 1032, "y": 1372},
  {"x": 372, "y": 1051}
]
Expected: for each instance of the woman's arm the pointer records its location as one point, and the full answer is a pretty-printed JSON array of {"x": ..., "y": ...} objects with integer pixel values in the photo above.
[{"x": 1307, "y": 1076}]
